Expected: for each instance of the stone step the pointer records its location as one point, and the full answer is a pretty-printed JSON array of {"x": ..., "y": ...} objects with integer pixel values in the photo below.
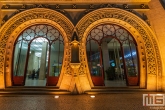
[
  {"x": 55, "y": 90},
  {"x": 32, "y": 91},
  {"x": 96, "y": 90},
  {"x": 23, "y": 88}
]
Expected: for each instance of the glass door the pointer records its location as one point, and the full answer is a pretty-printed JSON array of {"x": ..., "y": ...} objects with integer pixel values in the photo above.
[
  {"x": 95, "y": 62},
  {"x": 56, "y": 57},
  {"x": 37, "y": 62},
  {"x": 38, "y": 56},
  {"x": 21, "y": 48},
  {"x": 112, "y": 54}
]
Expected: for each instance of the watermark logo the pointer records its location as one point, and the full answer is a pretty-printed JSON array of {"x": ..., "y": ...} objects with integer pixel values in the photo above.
[{"x": 153, "y": 100}]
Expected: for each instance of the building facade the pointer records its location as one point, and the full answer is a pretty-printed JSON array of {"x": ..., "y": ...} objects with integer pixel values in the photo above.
[{"x": 77, "y": 45}]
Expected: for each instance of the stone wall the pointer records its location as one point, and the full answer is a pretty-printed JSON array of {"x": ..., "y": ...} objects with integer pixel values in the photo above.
[
  {"x": 156, "y": 16},
  {"x": 78, "y": 1}
]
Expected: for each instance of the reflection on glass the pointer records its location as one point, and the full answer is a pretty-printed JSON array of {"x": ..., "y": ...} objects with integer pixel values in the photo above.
[
  {"x": 56, "y": 56},
  {"x": 130, "y": 56},
  {"x": 93, "y": 54},
  {"x": 113, "y": 64},
  {"x": 118, "y": 54},
  {"x": 134, "y": 57},
  {"x": 20, "y": 54}
]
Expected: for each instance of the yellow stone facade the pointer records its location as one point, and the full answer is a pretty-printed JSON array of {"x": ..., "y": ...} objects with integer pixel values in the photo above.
[{"x": 150, "y": 41}]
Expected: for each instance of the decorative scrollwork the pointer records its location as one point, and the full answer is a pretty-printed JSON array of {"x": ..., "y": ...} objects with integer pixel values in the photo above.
[
  {"x": 2, "y": 60},
  {"x": 12, "y": 26},
  {"x": 41, "y": 30},
  {"x": 67, "y": 68},
  {"x": 2, "y": 51},
  {"x": 82, "y": 69},
  {"x": 154, "y": 66},
  {"x": 35, "y": 14}
]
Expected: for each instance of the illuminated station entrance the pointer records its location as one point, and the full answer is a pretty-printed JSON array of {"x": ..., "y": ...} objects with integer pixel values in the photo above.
[
  {"x": 111, "y": 53},
  {"x": 78, "y": 48}
]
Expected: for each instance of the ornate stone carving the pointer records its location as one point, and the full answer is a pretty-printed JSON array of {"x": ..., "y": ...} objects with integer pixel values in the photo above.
[
  {"x": 77, "y": 1},
  {"x": 82, "y": 69},
  {"x": 68, "y": 69},
  {"x": 2, "y": 60},
  {"x": 152, "y": 52},
  {"x": 151, "y": 56},
  {"x": 35, "y": 14},
  {"x": 14, "y": 26}
]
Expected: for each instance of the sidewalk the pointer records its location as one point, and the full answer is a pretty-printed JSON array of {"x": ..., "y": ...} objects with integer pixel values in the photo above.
[{"x": 113, "y": 101}]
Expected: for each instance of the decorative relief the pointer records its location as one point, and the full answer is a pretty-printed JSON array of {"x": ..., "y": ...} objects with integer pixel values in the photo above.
[
  {"x": 35, "y": 14},
  {"x": 2, "y": 60},
  {"x": 152, "y": 51},
  {"x": 148, "y": 37},
  {"x": 2, "y": 51},
  {"x": 82, "y": 69},
  {"x": 68, "y": 69}
]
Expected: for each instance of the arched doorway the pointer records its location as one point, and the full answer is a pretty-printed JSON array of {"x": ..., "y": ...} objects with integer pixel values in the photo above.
[
  {"x": 38, "y": 56},
  {"x": 150, "y": 65},
  {"x": 148, "y": 51},
  {"x": 24, "y": 20},
  {"x": 112, "y": 56}
]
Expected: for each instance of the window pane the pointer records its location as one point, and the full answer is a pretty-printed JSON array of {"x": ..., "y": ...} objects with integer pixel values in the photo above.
[
  {"x": 129, "y": 61},
  {"x": 56, "y": 57},
  {"x": 93, "y": 55},
  {"x": 20, "y": 58},
  {"x": 134, "y": 57}
]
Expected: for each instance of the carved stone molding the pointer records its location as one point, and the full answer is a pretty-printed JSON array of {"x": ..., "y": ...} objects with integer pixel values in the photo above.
[
  {"x": 148, "y": 50},
  {"x": 154, "y": 65},
  {"x": 78, "y": 1},
  {"x": 12, "y": 28},
  {"x": 2, "y": 60},
  {"x": 37, "y": 13}
]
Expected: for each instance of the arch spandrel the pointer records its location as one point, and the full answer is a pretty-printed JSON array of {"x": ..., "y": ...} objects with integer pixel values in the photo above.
[
  {"x": 12, "y": 28},
  {"x": 35, "y": 14},
  {"x": 148, "y": 50}
]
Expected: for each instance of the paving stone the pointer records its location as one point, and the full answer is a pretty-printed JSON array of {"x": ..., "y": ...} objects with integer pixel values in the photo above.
[{"x": 123, "y": 101}]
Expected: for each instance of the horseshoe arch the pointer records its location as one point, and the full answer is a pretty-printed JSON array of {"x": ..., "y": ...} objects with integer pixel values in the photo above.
[
  {"x": 14, "y": 26},
  {"x": 147, "y": 46}
]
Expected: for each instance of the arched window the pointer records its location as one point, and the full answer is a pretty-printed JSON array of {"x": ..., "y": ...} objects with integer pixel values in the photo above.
[
  {"x": 112, "y": 56},
  {"x": 38, "y": 56}
]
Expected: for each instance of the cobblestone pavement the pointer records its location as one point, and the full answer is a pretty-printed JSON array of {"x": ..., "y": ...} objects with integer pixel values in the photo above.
[{"x": 113, "y": 101}]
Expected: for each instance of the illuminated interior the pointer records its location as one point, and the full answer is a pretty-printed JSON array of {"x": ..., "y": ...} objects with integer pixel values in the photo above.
[
  {"x": 112, "y": 56},
  {"x": 38, "y": 55}
]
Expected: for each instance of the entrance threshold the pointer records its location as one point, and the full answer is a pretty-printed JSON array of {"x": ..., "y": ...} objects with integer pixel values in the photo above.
[
  {"x": 119, "y": 90},
  {"x": 31, "y": 90}
]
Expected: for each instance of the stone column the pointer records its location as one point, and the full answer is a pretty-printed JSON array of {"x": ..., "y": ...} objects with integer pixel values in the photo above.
[
  {"x": 43, "y": 61},
  {"x": 105, "y": 56}
]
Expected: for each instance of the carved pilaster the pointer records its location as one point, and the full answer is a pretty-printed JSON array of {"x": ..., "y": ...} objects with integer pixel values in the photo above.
[{"x": 2, "y": 67}]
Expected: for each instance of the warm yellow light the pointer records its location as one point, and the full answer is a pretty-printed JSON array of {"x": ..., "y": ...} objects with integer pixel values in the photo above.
[
  {"x": 56, "y": 97},
  {"x": 160, "y": 94},
  {"x": 92, "y": 96}
]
